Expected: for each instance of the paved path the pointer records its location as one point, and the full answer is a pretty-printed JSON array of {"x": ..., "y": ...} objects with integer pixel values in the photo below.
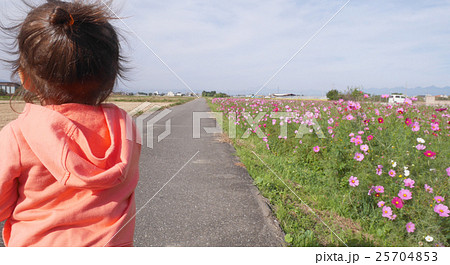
[{"x": 210, "y": 202}]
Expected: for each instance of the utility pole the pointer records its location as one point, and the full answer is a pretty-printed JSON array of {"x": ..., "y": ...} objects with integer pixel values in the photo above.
[{"x": 406, "y": 89}]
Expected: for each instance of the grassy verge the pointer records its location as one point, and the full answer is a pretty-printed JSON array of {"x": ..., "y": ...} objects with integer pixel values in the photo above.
[{"x": 341, "y": 213}]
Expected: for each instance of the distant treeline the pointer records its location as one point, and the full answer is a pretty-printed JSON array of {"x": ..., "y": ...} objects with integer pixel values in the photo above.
[{"x": 214, "y": 94}]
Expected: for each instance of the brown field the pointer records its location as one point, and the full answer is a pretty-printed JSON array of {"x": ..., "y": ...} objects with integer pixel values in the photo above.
[{"x": 7, "y": 114}]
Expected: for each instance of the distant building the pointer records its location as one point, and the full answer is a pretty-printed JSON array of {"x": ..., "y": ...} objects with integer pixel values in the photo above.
[
  {"x": 179, "y": 94},
  {"x": 278, "y": 95},
  {"x": 9, "y": 87},
  {"x": 170, "y": 94}
]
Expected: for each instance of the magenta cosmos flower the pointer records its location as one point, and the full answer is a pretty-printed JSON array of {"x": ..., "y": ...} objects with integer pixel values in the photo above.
[
  {"x": 442, "y": 210},
  {"x": 370, "y": 138},
  {"x": 358, "y": 157},
  {"x": 439, "y": 199},
  {"x": 408, "y": 121},
  {"x": 353, "y": 181},
  {"x": 380, "y": 120},
  {"x": 405, "y": 194},
  {"x": 410, "y": 227},
  {"x": 387, "y": 211},
  {"x": 429, "y": 153},
  {"x": 392, "y": 173},
  {"x": 409, "y": 183},
  {"x": 397, "y": 202},
  {"x": 316, "y": 149}
]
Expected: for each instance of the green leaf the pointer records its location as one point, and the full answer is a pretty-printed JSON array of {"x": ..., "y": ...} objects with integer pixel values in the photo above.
[{"x": 288, "y": 238}]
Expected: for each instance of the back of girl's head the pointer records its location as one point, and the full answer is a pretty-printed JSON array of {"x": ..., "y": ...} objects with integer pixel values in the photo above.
[{"x": 68, "y": 52}]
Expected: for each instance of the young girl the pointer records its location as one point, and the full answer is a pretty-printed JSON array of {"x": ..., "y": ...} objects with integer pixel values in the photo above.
[{"x": 68, "y": 168}]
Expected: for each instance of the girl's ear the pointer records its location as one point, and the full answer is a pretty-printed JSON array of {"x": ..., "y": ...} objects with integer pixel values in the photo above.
[
  {"x": 23, "y": 80},
  {"x": 21, "y": 76}
]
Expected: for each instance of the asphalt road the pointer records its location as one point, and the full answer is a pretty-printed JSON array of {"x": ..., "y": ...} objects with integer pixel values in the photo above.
[
  {"x": 209, "y": 200},
  {"x": 191, "y": 193}
]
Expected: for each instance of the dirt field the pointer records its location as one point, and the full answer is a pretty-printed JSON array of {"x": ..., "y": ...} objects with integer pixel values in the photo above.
[{"x": 7, "y": 114}]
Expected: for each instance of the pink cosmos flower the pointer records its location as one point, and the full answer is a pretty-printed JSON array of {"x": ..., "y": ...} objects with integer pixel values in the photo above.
[
  {"x": 358, "y": 141},
  {"x": 358, "y": 157},
  {"x": 387, "y": 211},
  {"x": 428, "y": 188},
  {"x": 435, "y": 126},
  {"x": 392, "y": 217},
  {"x": 384, "y": 96},
  {"x": 405, "y": 194},
  {"x": 398, "y": 203},
  {"x": 330, "y": 121},
  {"x": 429, "y": 153},
  {"x": 379, "y": 171},
  {"x": 409, "y": 183},
  {"x": 350, "y": 117},
  {"x": 370, "y": 138},
  {"x": 366, "y": 96},
  {"x": 415, "y": 127},
  {"x": 353, "y": 181},
  {"x": 442, "y": 210},
  {"x": 448, "y": 171},
  {"x": 364, "y": 147},
  {"x": 439, "y": 199},
  {"x": 410, "y": 227},
  {"x": 316, "y": 149},
  {"x": 379, "y": 189},
  {"x": 420, "y": 147},
  {"x": 392, "y": 173},
  {"x": 360, "y": 132},
  {"x": 351, "y": 134},
  {"x": 380, "y": 203},
  {"x": 408, "y": 101}
]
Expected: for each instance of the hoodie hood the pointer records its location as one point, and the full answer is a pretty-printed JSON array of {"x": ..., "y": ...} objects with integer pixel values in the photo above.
[{"x": 65, "y": 148}]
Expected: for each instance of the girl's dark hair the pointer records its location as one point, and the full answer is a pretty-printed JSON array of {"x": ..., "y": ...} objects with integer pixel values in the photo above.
[{"x": 68, "y": 52}]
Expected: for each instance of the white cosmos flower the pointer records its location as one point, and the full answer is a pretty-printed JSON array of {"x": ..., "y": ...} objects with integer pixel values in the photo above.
[
  {"x": 429, "y": 238},
  {"x": 420, "y": 140},
  {"x": 406, "y": 173}
]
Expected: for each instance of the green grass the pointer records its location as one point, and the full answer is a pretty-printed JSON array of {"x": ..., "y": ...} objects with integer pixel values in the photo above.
[
  {"x": 5, "y": 97},
  {"x": 321, "y": 182}
]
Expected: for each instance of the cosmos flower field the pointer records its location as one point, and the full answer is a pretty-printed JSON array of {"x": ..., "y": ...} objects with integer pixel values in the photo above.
[{"x": 347, "y": 173}]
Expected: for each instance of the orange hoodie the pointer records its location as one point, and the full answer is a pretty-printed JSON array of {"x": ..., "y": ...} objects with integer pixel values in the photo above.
[{"x": 67, "y": 176}]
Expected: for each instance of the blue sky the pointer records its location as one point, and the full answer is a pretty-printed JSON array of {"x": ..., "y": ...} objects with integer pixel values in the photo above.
[{"x": 236, "y": 46}]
